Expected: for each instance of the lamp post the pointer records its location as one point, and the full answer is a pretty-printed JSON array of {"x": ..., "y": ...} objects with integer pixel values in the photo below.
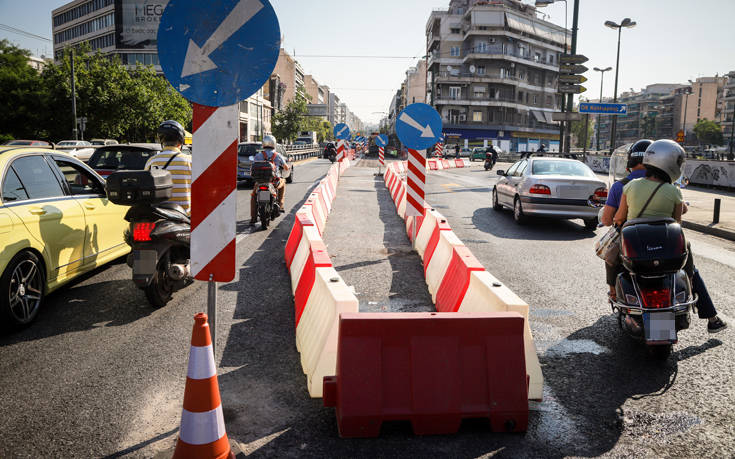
[
  {"x": 627, "y": 22},
  {"x": 602, "y": 77},
  {"x": 686, "y": 92}
]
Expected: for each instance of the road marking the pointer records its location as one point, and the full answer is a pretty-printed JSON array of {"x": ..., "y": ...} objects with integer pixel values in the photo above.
[{"x": 449, "y": 186}]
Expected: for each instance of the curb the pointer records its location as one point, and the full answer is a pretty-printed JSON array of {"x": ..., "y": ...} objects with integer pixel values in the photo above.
[{"x": 706, "y": 229}]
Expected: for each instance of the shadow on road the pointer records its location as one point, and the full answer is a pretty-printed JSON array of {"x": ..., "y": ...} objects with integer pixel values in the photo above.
[{"x": 501, "y": 224}]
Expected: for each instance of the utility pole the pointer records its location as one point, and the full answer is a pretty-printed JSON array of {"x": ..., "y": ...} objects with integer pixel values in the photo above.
[{"x": 73, "y": 97}]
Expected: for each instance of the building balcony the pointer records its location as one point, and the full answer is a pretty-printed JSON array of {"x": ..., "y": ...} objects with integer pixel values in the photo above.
[
  {"x": 506, "y": 55},
  {"x": 488, "y": 101},
  {"x": 492, "y": 77},
  {"x": 506, "y": 126},
  {"x": 477, "y": 30}
]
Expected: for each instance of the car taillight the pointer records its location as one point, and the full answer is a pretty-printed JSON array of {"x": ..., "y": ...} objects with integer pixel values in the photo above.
[
  {"x": 601, "y": 192},
  {"x": 142, "y": 231},
  {"x": 263, "y": 188},
  {"x": 660, "y": 298},
  {"x": 540, "y": 189}
]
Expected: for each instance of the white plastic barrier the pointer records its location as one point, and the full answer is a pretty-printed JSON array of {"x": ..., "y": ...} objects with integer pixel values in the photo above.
[{"x": 440, "y": 260}]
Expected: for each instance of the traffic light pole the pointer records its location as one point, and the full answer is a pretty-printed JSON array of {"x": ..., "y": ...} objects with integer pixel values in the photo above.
[{"x": 570, "y": 100}]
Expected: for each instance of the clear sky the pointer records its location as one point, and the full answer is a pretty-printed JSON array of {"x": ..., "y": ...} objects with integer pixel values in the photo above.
[{"x": 674, "y": 40}]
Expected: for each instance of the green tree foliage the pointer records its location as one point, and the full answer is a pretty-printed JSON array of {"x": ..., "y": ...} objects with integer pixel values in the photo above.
[
  {"x": 578, "y": 132},
  {"x": 287, "y": 123},
  {"x": 322, "y": 128},
  {"x": 708, "y": 132},
  {"x": 20, "y": 94},
  {"x": 118, "y": 104}
]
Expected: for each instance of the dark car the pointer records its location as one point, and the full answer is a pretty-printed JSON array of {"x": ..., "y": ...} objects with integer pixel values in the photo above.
[
  {"x": 245, "y": 153},
  {"x": 113, "y": 158}
]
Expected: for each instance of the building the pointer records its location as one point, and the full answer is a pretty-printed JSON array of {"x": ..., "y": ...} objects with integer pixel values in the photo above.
[
  {"x": 701, "y": 100},
  {"x": 255, "y": 116},
  {"x": 492, "y": 73},
  {"x": 37, "y": 63},
  {"x": 291, "y": 75},
  {"x": 415, "y": 84},
  {"x": 728, "y": 112},
  {"x": 125, "y": 28}
]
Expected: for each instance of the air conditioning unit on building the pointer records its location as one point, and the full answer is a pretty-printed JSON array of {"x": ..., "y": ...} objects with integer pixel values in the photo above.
[{"x": 462, "y": 118}]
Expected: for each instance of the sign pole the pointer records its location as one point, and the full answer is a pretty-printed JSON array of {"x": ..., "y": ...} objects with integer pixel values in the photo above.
[{"x": 212, "y": 309}]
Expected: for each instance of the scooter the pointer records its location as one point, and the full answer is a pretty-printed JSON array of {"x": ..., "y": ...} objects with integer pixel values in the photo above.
[
  {"x": 159, "y": 233},
  {"x": 654, "y": 295},
  {"x": 263, "y": 173},
  {"x": 489, "y": 161}
]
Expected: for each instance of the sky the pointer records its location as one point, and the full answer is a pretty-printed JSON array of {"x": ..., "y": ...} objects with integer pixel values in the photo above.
[{"x": 673, "y": 41}]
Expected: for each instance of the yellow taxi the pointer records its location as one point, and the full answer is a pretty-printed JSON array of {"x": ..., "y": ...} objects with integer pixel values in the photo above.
[{"x": 55, "y": 224}]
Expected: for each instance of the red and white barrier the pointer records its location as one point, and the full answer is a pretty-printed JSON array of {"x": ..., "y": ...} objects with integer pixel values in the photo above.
[
  {"x": 415, "y": 183},
  {"x": 381, "y": 156}
]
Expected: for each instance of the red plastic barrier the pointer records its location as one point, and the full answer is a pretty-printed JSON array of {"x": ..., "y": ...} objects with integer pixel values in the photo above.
[
  {"x": 459, "y": 163},
  {"x": 432, "y": 369},
  {"x": 295, "y": 237},
  {"x": 432, "y": 165},
  {"x": 456, "y": 280},
  {"x": 410, "y": 221},
  {"x": 445, "y": 163},
  {"x": 441, "y": 225},
  {"x": 318, "y": 258}
]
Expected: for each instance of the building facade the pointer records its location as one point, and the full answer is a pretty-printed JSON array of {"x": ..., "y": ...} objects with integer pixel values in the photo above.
[
  {"x": 255, "y": 116},
  {"x": 728, "y": 112},
  {"x": 492, "y": 73},
  {"x": 291, "y": 75}
]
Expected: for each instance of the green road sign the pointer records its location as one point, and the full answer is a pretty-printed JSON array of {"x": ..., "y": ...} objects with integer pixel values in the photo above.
[
  {"x": 572, "y": 89},
  {"x": 572, "y": 59}
]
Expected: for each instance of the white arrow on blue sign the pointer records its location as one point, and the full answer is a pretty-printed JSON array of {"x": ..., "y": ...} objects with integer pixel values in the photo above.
[
  {"x": 607, "y": 109},
  {"x": 381, "y": 140},
  {"x": 342, "y": 132},
  {"x": 219, "y": 52},
  {"x": 419, "y": 126}
]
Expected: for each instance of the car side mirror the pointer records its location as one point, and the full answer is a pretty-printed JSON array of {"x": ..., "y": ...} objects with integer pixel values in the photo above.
[{"x": 501, "y": 172}]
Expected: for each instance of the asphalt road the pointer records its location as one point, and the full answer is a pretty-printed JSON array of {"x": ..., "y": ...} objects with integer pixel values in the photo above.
[{"x": 102, "y": 374}]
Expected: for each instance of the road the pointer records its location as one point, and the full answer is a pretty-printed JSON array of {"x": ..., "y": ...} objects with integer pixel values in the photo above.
[{"x": 102, "y": 374}]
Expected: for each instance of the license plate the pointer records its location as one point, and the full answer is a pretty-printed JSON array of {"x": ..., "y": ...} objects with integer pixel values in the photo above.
[
  {"x": 264, "y": 195},
  {"x": 144, "y": 262},
  {"x": 571, "y": 191},
  {"x": 659, "y": 326}
]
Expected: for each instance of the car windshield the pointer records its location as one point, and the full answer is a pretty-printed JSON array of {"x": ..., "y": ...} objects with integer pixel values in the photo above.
[
  {"x": 248, "y": 149},
  {"x": 67, "y": 143},
  {"x": 20, "y": 142},
  {"x": 555, "y": 167},
  {"x": 130, "y": 159},
  {"x": 98, "y": 142}
]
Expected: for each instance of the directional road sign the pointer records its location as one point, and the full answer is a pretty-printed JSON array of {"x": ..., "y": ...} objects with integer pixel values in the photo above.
[
  {"x": 680, "y": 136},
  {"x": 342, "y": 132},
  {"x": 566, "y": 116},
  {"x": 572, "y": 59},
  {"x": 419, "y": 126},
  {"x": 572, "y": 79},
  {"x": 381, "y": 140},
  {"x": 218, "y": 53},
  {"x": 572, "y": 89},
  {"x": 572, "y": 68},
  {"x": 607, "y": 109}
]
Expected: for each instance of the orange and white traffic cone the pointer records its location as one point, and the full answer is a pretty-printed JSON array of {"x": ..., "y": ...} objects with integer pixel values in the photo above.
[{"x": 202, "y": 434}]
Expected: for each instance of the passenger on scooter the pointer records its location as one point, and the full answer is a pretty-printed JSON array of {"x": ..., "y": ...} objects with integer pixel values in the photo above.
[
  {"x": 270, "y": 154},
  {"x": 171, "y": 136},
  {"x": 664, "y": 163}
]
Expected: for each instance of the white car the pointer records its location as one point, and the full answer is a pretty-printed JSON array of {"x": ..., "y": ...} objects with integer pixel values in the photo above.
[{"x": 80, "y": 149}]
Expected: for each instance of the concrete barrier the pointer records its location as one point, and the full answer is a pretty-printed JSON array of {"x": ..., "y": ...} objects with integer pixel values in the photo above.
[
  {"x": 317, "y": 258},
  {"x": 446, "y": 164},
  {"x": 426, "y": 230},
  {"x": 458, "y": 163},
  {"x": 294, "y": 238},
  {"x": 309, "y": 234}
]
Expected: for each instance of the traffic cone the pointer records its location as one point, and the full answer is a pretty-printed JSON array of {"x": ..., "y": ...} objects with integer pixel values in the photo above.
[{"x": 202, "y": 434}]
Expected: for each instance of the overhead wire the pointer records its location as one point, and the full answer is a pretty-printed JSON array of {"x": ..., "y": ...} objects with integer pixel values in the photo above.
[{"x": 8, "y": 28}]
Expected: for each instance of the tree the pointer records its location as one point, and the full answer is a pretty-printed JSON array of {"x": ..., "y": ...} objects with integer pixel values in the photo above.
[
  {"x": 287, "y": 123},
  {"x": 20, "y": 95},
  {"x": 322, "y": 128},
  {"x": 708, "y": 132},
  {"x": 578, "y": 132}
]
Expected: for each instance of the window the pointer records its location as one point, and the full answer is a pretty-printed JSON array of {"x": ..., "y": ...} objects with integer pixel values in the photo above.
[
  {"x": 37, "y": 177},
  {"x": 454, "y": 30},
  {"x": 79, "y": 180},
  {"x": 551, "y": 58},
  {"x": 481, "y": 47},
  {"x": 537, "y": 57},
  {"x": 128, "y": 159},
  {"x": 455, "y": 92},
  {"x": 479, "y": 91},
  {"x": 81, "y": 10},
  {"x": 454, "y": 51},
  {"x": 12, "y": 188},
  {"x": 476, "y": 116},
  {"x": 521, "y": 169},
  {"x": 520, "y": 96},
  {"x": 513, "y": 168},
  {"x": 108, "y": 20},
  {"x": 480, "y": 69},
  {"x": 535, "y": 99}
]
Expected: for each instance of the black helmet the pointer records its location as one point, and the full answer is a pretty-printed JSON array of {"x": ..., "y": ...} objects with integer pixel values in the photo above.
[
  {"x": 171, "y": 130},
  {"x": 636, "y": 152}
]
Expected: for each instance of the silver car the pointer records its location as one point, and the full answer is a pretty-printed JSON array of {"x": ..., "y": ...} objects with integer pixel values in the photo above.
[{"x": 550, "y": 187}]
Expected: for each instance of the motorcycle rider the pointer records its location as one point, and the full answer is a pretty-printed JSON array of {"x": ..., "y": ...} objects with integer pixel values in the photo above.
[
  {"x": 330, "y": 152},
  {"x": 171, "y": 136},
  {"x": 270, "y": 154},
  {"x": 664, "y": 163}
]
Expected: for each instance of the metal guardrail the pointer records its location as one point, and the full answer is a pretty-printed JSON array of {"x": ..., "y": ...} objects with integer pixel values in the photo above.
[{"x": 301, "y": 152}]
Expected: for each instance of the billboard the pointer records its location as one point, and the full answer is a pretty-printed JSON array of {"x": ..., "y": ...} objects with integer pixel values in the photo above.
[{"x": 136, "y": 23}]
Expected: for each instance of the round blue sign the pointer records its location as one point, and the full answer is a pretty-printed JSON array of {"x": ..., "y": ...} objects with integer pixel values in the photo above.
[
  {"x": 381, "y": 140},
  {"x": 419, "y": 126},
  {"x": 219, "y": 52},
  {"x": 342, "y": 132}
]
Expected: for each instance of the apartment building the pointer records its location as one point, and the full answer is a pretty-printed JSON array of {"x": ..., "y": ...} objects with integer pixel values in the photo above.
[
  {"x": 292, "y": 76},
  {"x": 126, "y": 28},
  {"x": 728, "y": 111},
  {"x": 255, "y": 116},
  {"x": 492, "y": 73},
  {"x": 415, "y": 84}
]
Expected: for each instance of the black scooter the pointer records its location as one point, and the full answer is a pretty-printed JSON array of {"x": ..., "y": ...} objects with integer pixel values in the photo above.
[
  {"x": 263, "y": 173},
  {"x": 489, "y": 162},
  {"x": 159, "y": 232},
  {"x": 654, "y": 294}
]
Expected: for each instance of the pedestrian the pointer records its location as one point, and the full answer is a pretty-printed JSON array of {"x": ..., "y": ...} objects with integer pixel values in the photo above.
[{"x": 456, "y": 151}]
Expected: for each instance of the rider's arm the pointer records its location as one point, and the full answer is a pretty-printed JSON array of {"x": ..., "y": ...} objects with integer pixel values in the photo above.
[
  {"x": 608, "y": 213},
  {"x": 678, "y": 210},
  {"x": 622, "y": 214},
  {"x": 283, "y": 162}
]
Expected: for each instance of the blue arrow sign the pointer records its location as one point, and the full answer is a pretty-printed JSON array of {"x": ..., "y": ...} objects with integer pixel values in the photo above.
[
  {"x": 382, "y": 140},
  {"x": 607, "y": 109},
  {"x": 219, "y": 52},
  {"x": 419, "y": 126},
  {"x": 342, "y": 132}
]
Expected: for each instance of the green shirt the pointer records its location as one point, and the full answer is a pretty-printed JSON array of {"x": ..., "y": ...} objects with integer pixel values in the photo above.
[{"x": 663, "y": 203}]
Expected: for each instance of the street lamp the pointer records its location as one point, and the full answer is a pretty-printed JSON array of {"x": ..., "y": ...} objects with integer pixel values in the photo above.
[
  {"x": 602, "y": 75},
  {"x": 686, "y": 91},
  {"x": 625, "y": 23}
]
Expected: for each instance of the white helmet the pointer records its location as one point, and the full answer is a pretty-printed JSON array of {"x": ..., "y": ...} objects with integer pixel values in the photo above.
[
  {"x": 269, "y": 142},
  {"x": 665, "y": 156}
]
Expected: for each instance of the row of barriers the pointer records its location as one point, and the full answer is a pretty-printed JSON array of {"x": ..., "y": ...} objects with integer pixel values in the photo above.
[
  {"x": 320, "y": 294},
  {"x": 457, "y": 281}
]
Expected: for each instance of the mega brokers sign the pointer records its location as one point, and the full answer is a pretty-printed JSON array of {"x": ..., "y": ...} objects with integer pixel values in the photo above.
[{"x": 136, "y": 23}]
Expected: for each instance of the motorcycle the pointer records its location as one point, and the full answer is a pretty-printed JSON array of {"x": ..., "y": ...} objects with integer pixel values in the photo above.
[
  {"x": 263, "y": 173},
  {"x": 489, "y": 163},
  {"x": 159, "y": 233},
  {"x": 654, "y": 297}
]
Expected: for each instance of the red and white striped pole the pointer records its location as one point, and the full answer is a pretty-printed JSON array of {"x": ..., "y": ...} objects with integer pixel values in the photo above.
[
  {"x": 415, "y": 183},
  {"x": 340, "y": 150},
  {"x": 381, "y": 159},
  {"x": 214, "y": 198}
]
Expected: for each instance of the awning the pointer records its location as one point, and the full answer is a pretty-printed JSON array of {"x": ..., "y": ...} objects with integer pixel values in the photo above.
[
  {"x": 549, "y": 118},
  {"x": 539, "y": 115},
  {"x": 519, "y": 23}
]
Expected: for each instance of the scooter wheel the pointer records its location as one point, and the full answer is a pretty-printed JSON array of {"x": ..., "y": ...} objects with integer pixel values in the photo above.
[
  {"x": 661, "y": 352},
  {"x": 265, "y": 216},
  {"x": 159, "y": 291}
]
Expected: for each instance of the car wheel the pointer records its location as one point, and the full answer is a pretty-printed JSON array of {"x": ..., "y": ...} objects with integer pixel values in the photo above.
[
  {"x": 590, "y": 224},
  {"x": 21, "y": 289},
  {"x": 496, "y": 203},
  {"x": 289, "y": 179},
  {"x": 518, "y": 215}
]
